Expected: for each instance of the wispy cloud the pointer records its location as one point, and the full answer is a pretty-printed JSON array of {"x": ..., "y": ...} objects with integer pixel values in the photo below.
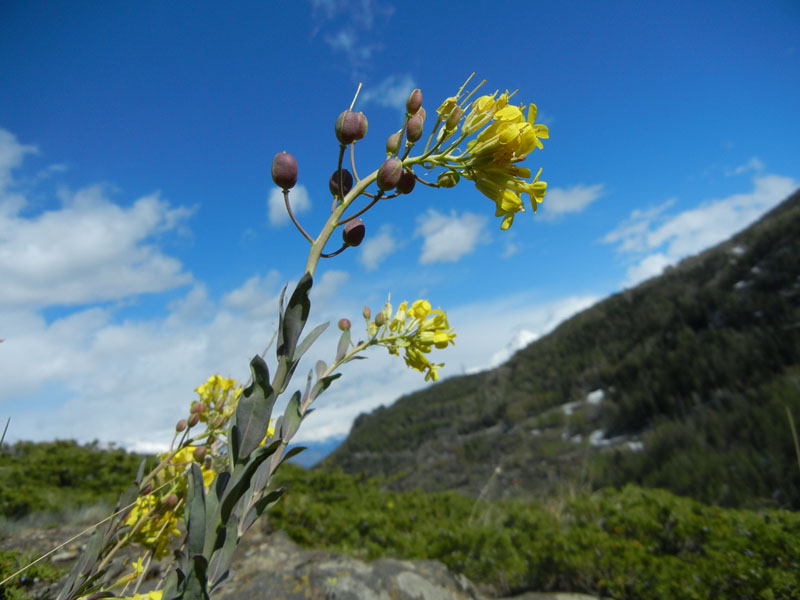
[
  {"x": 392, "y": 92},
  {"x": 347, "y": 27},
  {"x": 563, "y": 201},
  {"x": 655, "y": 239},
  {"x": 276, "y": 205},
  {"x": 754, "y": 164},
  {"x": 378, "y": 247},
  {"x": 447, "y": 238}
]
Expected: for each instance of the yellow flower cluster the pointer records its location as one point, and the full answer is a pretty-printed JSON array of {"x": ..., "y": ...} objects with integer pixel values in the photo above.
[
  {"x": 154, "y": 517},
  {"x": 218, "y": 398},
  {"x": 507, "y": 137},
  {"x": 416, "y": 330}
]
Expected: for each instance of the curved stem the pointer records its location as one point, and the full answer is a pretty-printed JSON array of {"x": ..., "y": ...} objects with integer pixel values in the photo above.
[
  {"x": 353, "y": 162},
  {"x": 332, "y": 254},
  {"x": 291, "y": 214},
  {"x": 363, "y": 210},
  {"x": 316, "y": 247}
]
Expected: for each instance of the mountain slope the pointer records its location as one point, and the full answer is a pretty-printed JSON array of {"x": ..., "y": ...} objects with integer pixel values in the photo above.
[{"x": 681, "y": 382}]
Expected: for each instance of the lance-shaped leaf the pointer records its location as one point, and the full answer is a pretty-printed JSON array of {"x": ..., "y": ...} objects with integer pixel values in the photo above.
[
  {"x": 196, "y": 513},
  {"x": 259, "y": 506},
  {"x": 343, "y": 346},
  {"x": 303, "y": 347},
  {"x": 85, "y": 565},
  {"x": 253, "y": 412},
  {"x": 215, "y": 530},
  {"x": 294, "y": 318},
  {"x": 291, "y": 418},
  {"x": 241, "y": 480},
  {"x": 320, "y": 386},
  {"x": 220, "y": 563},
  {"x": 196, "y": 584}
]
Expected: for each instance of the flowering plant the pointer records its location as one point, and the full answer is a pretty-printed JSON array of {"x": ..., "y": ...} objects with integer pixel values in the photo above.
[{"x": 213, "y": 484}]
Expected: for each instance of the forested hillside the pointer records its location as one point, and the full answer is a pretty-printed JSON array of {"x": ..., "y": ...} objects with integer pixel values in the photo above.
[{"x": 684, "y": 382}]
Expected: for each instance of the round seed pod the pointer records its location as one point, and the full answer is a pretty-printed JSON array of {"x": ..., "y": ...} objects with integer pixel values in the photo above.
[
  {"x": 344, "y": 324},
  {"x": 180, "y": 425},
  {"x": 414, "y": 127},
  {"x": 284, "y": 170},
  {"x": 414, "y": 101},
  {"x": 389, "y": 173},
  {"x": 193, "y": 420},
  {"x": 347, "y": 183},
  {"x": 350, "y": 127},
  {"x": 407, "y": 182},
  {"x": 393, "y": 143},
  {"x": 448, "y": 179},
  {"x": 353, "y": 232},
  {"x": 199, "y": 453}
]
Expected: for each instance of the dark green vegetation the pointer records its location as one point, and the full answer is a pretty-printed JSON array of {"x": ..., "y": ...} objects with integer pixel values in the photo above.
[
  {"x": 629, "y": 543},
  {"x": 698, "y": 366},
  {"x": 16, "y": 589},
  {"x": 61, "y": 475}
]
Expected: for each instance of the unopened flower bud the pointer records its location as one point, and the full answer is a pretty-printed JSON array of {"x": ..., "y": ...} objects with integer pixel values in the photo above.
[
  {"x": 380, "y": 318},
  {"x": 193, "y": 420},
  {"x": 353, "y": 232},
  {"x": 171, "y": 501},
  {"x": 199, "y": 453},
  {"x": 350, "y": 127},
  {"x": 218, "y": 422},
  {"x": 448, "y": 179},
  {"x": 393, "y": 143},
  {"x": 414, "y": 127},
  {"x": 367, "y": 312},
  {"x": 347, "y": 183},
  {"x": 180, "y": 425},
  {"x": 389, "y": 173},
  {"x": 453, "y": 119},
  {"x": 198, "y": 407},
  {"x": 407, "y": 182},
  {"x": 146, "y": 489},
  {"x": 414, "y": 102},
  {"x": 284, "y": 170},
  {"x": 344, "y": 324}
]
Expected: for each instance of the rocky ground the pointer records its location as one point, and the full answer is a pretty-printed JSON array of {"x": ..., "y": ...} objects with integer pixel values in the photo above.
[{"x": 269, "y": 566}]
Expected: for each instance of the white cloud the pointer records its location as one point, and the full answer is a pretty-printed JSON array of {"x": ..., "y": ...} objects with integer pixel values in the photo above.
[
  {"x": 86, "y": 251},
  {"x": 574, "y": 199},
  {"x": 754, "y": 164},
  {"x": 447, "y": 238},
  {"x": 392, "y": 92},
  {"x": 276, "y": 205},
  {"x": 657, "y": 240},
  {"x": 377, "y": 247},
  {"x": 499, "y": 328}
]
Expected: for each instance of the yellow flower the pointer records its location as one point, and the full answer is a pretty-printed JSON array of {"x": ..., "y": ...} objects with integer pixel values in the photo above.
[{"x": 154, "y": 595}]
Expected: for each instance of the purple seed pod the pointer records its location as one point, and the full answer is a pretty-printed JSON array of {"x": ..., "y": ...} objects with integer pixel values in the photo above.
[
  {"x": 199, "y": 453},
  {"x": 407, "y": 182},
  {"x": 180, "y": 425},
  {"x": 393, "y": 143},
  {"x": 414, "y": 127},
  {"x": 353, "y": 232},
  {"x": 389, "y": 173},
  {"x": 414, "y": 102},
  {"x": 193, "y": 420},
  {"x": 350, "y": 127},
  {"x": 344, "y": 324},
  {"x": 284, "y": 170},
  {"x": 347, "y": 183}
]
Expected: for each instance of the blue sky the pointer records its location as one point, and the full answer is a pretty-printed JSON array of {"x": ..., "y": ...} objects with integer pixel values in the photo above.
[{"x": 140, "y": 252}]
